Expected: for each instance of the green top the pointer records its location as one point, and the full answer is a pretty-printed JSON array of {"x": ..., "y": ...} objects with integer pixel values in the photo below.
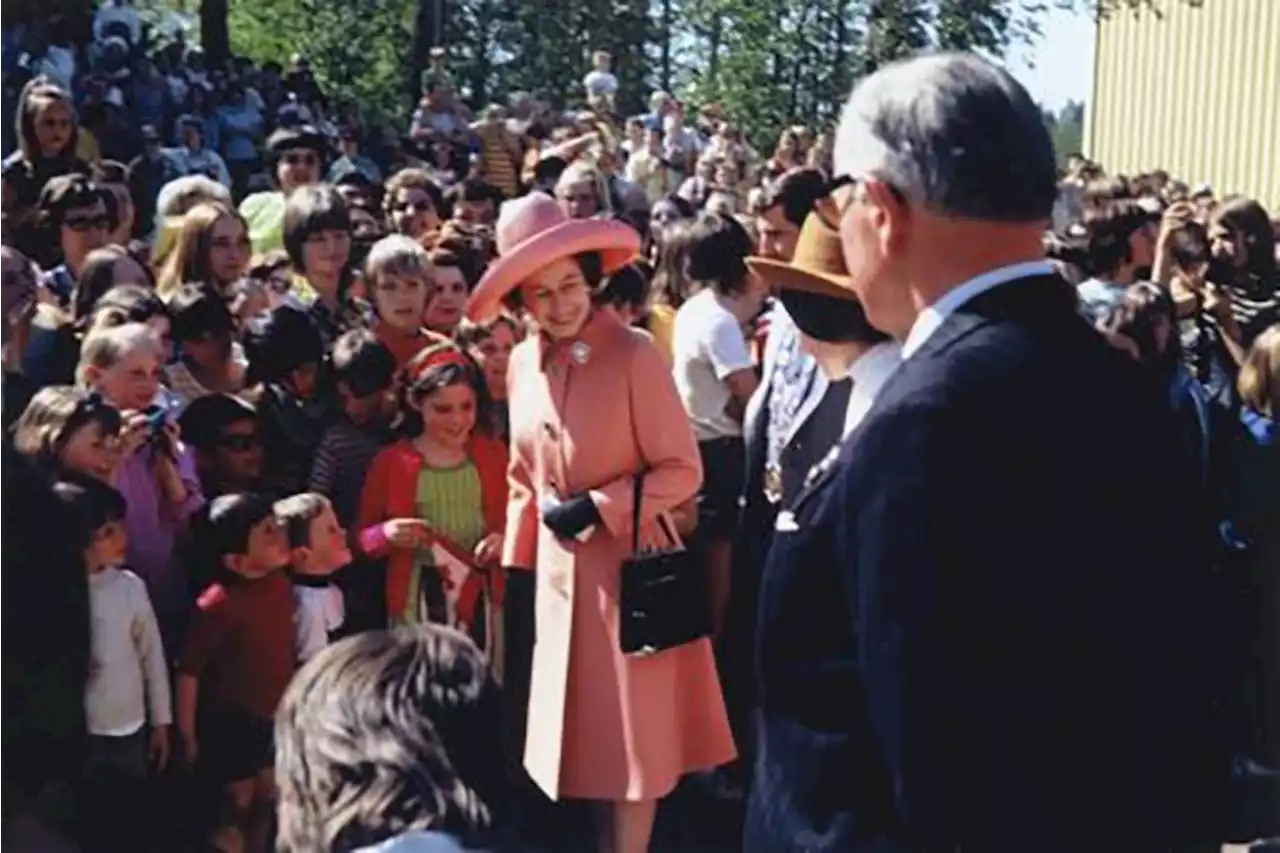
[
  {"x": 264, "y": 212},
  {"x": 449, "y": 500}
]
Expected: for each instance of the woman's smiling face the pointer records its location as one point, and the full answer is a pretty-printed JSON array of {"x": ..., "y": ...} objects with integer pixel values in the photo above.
[{"x": 447, "y": 300}]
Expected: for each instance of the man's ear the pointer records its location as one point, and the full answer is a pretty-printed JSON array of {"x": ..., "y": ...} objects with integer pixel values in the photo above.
[
  {"x": 92, "y": 373},
  {"x": 234, "y": 562}
]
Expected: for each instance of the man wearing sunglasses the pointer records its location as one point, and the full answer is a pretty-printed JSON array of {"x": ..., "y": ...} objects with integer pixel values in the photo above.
[
  {"x": 75, "y": 218},
  {"x": 1021, "y": 642},
  {"x": 227, "y": 438}
]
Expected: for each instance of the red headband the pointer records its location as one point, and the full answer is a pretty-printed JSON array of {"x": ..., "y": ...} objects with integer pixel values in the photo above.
[{"x": 440, "y": 358}]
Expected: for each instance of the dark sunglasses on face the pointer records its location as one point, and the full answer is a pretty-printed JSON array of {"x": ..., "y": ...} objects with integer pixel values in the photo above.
[{"x": 88, "y": 223}]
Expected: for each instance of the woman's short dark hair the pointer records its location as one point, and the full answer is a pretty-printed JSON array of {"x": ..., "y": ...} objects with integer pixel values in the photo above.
[
  {"x": 410, "y": 178},
  {"x": 97, "y": 278},
  {"x": 718, "y": 250},
  {"x": 384, "y": 733},
  {"x": 312, "y": 209}
]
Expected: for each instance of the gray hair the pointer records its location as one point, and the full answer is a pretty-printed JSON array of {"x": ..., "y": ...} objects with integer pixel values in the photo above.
[{"x": 953, "y": 132}]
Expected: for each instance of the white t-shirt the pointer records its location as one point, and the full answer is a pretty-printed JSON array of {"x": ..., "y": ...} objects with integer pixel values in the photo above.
[
  {"x": 707, "y": 346},
  {"x": 600, "y": 83},
  {"x": 318, "y": 612}
]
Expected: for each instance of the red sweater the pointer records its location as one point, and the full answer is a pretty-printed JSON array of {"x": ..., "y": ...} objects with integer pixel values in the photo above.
[
  {"x": 391, "y": 491},
  {"x": 240, "y": 644}
]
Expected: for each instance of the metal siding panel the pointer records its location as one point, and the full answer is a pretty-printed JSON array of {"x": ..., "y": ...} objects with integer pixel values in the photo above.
[{"x": 1196, "y": 92}]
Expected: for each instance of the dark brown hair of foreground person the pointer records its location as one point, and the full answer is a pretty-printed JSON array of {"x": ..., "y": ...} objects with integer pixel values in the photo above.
[{"x": 384, "y": 733}]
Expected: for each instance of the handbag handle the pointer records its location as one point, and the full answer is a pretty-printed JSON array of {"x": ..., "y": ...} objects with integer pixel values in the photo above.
[{"x": 663, "y": 521}]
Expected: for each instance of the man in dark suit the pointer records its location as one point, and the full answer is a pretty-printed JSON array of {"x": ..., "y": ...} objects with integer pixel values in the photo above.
[{"x": 989, "y": 624}]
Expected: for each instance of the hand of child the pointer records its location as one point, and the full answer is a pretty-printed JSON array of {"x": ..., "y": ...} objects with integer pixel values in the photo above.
[
  {"x": 158, "y": 748},
  {"x": 406, "y": 532},
  {"x": 488, "y": 550},
  {"x": 135, "y": 430}
]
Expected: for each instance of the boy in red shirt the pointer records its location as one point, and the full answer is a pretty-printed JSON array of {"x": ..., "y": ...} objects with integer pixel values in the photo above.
[{"x": 237, "y": 662}]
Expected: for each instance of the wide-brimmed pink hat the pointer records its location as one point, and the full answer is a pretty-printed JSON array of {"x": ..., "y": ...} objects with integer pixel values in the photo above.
[{"x": 534, "y": 233}]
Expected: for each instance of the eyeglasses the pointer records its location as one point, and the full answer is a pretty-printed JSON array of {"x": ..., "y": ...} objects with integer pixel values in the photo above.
[
  {"x": 826, "y": 208},
  {"x": 240, "y": 442},
  {"x": 830, "y": 211},
  {"x": 88, "y": 223}
]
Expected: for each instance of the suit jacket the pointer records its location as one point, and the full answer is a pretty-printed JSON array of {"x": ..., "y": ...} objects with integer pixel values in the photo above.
[{"x": 991, "y": 619}]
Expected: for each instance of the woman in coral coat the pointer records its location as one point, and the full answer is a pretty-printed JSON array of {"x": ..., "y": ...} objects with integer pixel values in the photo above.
[{"x": 593, "y": 404}]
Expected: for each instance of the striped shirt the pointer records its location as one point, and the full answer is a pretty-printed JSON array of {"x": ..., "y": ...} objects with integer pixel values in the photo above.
[{"x": 346, "y": 451}]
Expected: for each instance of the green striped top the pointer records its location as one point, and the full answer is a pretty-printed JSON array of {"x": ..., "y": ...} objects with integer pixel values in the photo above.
[{"x": 449, "y": 500}]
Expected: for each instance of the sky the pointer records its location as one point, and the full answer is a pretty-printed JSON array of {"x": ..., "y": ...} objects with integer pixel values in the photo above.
[{"x": 1059, "y": 66}]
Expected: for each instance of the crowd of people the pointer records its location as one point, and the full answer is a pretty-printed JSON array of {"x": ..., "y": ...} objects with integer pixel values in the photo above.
[{"x": 331, "y": 455}]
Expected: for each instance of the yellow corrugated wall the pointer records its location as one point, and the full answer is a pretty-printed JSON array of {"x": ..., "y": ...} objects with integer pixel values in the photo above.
[{"x": 1194, "y": 90}]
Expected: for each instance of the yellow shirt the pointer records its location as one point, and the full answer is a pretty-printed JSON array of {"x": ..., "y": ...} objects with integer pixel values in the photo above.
[{"x": 662, "y": 325}]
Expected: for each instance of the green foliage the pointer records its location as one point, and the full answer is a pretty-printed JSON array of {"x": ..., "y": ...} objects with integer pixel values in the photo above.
[
  {"x": 357, "y": 50},
  {"x": 1067, "y": 130},
  {"x": 767, "y": 62}
]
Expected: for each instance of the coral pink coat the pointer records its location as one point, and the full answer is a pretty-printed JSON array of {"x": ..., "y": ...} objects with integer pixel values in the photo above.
[{"x": 604, "y": 726}]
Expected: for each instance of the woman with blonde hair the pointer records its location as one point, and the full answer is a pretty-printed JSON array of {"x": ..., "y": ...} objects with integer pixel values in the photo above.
[
  {"x": 212, "y": 248},
  {"x": 176, "y": 199}
]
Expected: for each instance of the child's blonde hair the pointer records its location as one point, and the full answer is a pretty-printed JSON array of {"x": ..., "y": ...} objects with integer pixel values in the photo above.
[
  {"x": 105, "y": 347},
  {"x": 295, "y": 514},
  {"x": 1259, "y": 380},
  {"x": 397, "y": 255}
]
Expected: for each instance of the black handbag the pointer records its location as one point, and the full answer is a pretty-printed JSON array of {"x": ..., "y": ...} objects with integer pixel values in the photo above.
[{"x": 664, "y": 600}]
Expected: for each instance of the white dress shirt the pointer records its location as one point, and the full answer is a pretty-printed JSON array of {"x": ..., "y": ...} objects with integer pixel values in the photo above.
[
  {"x": 869, "y": 373},
  {"x": 932, "y": 316}
]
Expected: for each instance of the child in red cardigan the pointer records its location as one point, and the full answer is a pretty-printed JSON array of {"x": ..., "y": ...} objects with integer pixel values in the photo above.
[{"x": 435, "y": 503}]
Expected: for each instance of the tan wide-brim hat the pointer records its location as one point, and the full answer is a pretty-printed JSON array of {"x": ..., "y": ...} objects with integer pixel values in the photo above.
[
  {"x": 533, "y": 233},
  {"x": 817, "y": 266}
]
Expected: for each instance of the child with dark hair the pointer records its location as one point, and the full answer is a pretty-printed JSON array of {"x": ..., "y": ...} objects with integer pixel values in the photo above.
[
  {"x": 435, "y": 502},
  {"x": 317, "y": 237},
  {"x": 286, "y": 353},
  {"x": 226, "y": 436},
  {"x": 421, "y": 701},
  {"x": 489, "y": 345},
  {"x": 237, "y": 661},
  {"x": 625, "y": 295},
  {"x": 204, "y": 335},
  {"x": 127, "y": 699},
  {"x": 318, "y": 548},
  {"x": 363, "y": 372}
]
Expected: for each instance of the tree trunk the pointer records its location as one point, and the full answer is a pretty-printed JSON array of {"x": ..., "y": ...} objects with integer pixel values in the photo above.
[
  {"x": 215, "y": 36},
  {"x": 666, "y": 46}
]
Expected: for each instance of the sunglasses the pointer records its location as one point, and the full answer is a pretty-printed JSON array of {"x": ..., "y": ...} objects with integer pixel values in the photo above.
[
  {"x": 240, "y": 442},
  {"x": 88, "y": 223},
  {"x": 830, "y": 212},
  {"x": 301, "y": 159}
]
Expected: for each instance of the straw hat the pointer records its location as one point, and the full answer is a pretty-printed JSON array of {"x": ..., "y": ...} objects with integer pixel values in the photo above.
[
  {"x": 815, "y": 287},
  {"x": 816, "y": 267},
  {"x": 533, "y": 233}
]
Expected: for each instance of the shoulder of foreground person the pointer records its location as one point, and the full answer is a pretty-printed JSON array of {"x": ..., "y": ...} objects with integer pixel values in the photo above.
[{"x": 420, "y": 842}]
